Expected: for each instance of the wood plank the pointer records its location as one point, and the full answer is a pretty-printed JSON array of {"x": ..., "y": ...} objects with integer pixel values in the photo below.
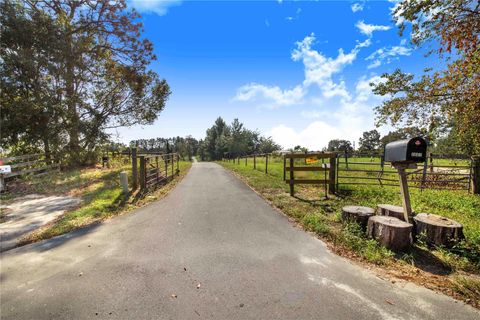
[
  {"x": 19, "y": 173},
  {"x": 27, "y": 156},
  {"x": 306, "y": 169},
  {"x": 306, "y": 181},
  {"x": 26, "y": 164},
  {"x": 310, "y": 155}
]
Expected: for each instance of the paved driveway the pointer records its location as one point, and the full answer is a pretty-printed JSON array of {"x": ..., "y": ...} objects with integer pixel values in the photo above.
[{"x": 212, "y": 249}]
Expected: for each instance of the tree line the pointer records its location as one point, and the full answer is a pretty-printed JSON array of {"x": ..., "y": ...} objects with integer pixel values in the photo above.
[
  {"x": 234, "y": 140},
  {"x": 71, "y": 70},
  {"x": 186, "y": 147},
  {"x": 372, "y": 142}
]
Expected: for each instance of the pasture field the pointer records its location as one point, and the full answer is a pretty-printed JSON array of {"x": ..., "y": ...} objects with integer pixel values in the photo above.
[{"x": 454, "y": 271}]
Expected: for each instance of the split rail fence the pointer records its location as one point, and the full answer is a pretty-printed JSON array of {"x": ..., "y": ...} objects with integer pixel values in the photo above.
[{"x": 24, "y": 165}]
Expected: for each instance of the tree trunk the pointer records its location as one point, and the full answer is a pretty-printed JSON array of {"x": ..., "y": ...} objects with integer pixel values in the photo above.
[
  {"x": 391, "y": 232},
  {"x": 73, "y": 119},
  {"x": 390, "y": 211},
  {"x": 438, "y": 230},
  {"x": 48, "y": 154},
  {"x": 357, "y": 214}
]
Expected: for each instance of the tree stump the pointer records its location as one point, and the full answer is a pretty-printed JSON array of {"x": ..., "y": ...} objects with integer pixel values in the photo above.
[
  {"x": 357, "y": 214},
  {"x": 390, "y": 211},
  {"x": 391, "y": 232},
  {"x": 438, "y": 230}
]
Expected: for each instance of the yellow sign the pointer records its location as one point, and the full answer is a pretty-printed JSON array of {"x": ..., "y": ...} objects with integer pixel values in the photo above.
[{"x": 311, "y": 160}]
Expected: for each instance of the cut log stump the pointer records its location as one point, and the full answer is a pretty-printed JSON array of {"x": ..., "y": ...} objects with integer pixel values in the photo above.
[
  {"x": 357, "y": 214},
  {"x": 391, "y": 232},
  {"x": 390, "y": 211},
  {"x": 439, "y": 231}
]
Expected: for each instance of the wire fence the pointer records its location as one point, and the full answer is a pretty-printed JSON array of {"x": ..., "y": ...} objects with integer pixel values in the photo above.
[
  {"x": 448, "y": 172},
  {"x": 437, "y": 172}
]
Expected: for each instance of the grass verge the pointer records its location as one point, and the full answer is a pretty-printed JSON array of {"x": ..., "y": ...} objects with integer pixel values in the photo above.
[
  {"x": 100, "y": 192},
  {"x": 454, "y": 272}
]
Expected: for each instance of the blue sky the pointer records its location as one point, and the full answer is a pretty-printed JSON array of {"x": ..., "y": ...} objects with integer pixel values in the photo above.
[{"x": 295, "y": 70}]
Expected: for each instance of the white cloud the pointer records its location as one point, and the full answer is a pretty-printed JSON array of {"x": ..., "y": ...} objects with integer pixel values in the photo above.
[
  {"x": 388, "y": 54},
  {"x": 314, "y": 136},
  {"x": 368, "y": 29},
  {"x": 344, "y": 120},
  {"x": 336, "y": 111},
  {"x": 363, "y": 90},
  {"x": 357, "y": 7},
  {"x": 311, "y": 114},
  {"x": 319, "y": 70},
  {"x": 252, "y": 91},
  {"x": 159, "y": 7}
]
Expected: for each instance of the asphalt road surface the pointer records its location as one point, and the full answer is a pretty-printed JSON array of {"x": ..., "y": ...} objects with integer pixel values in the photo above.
[{"x": 212, "y": 249}]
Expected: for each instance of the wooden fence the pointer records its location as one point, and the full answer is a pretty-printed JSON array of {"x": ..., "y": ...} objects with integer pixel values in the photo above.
[
  {"x": 24, "y": 165},
  {"x": 451, "y": 172},
  {"x": 313, "y": 159}
]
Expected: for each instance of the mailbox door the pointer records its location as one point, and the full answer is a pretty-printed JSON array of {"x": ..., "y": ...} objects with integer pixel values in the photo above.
[{"x": 417, "y": 150}]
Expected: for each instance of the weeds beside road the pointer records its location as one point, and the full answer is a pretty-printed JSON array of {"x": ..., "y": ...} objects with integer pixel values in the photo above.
[{"x": 453, "y": 272}]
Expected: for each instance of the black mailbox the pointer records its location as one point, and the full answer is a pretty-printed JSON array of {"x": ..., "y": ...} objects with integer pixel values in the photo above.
[{"x": 408, "y": 151}]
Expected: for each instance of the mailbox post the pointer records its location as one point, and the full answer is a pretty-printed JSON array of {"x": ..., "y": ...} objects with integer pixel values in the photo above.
[{"x": 403, "y": 155}]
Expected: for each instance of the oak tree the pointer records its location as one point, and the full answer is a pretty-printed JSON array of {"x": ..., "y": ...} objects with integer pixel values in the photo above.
[{"x": 448, "y": 97}]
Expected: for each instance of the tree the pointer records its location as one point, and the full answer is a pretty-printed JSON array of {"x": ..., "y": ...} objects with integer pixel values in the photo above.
[
  {"x": 400, "y": 134},
  {"x": 340, "y": 145},
  {"x": 97, "y": 64},
  {"x": 267, "y": 145},
  {"x": 370, "y": 141},
  {"x": 443, "y": 98},
  {"x": 233, "y": 140},
  {"x": 30, "y": 113}
]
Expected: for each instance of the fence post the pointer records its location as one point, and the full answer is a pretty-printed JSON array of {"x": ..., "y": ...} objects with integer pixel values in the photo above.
[
  {"x": 124, "y": 182},
  {"x": 337, "y": 165},
  {"x": 166, "y": 167},
  {"x": 246, "y": 157},
  {"x": 173, "y": 163},
  {"x": 178, "y": 163},
  {"x": 331, "y": 175},
  {"x": 292, "y": 189},
  {"x": 254, "y": 162},
  {"x": 424, "y": 174},
  {"x": 134, "y": 169},
  {"x": 476, "y": 174},
  {"x": 266, "y": 163},
  {"x": 284, "y": 167},
  {"x": 431, "y": 162},
  {"x": 157, "y": 167},
  {"x": 143, "y": 183},
  {"x": 346, "y": 160}
]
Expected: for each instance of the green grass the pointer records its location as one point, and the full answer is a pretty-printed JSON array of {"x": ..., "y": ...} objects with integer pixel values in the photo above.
[
  {"x": 322, "y": 216},
  {"x": 455, "y": 204},
  {"x": 100, "y": 191}
]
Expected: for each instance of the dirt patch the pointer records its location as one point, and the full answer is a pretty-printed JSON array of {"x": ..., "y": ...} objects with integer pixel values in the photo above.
[{"x": 28, "y": 213}]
